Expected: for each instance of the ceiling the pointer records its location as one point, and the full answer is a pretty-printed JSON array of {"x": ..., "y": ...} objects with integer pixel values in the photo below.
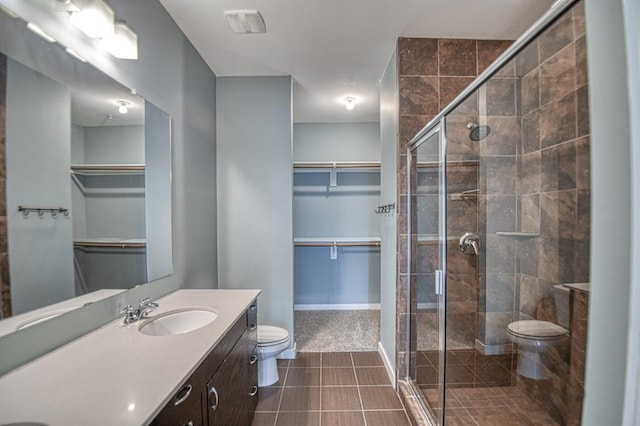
[{"x": 338, "y": 48}]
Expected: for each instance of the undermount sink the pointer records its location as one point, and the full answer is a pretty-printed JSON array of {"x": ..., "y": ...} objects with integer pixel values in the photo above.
[
  {"x": 44, "y": 317},
  {"x": 178, "y": 321}
]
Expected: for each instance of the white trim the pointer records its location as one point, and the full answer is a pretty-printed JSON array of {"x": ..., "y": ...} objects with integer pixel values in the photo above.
[
  {"x": 289, "y": 353},
  {"x": 338, "y": 307},
  {"x": 387, "y": 365},
  {"x": 631, "y": 415},
  {"x": 505, "y": 348}
]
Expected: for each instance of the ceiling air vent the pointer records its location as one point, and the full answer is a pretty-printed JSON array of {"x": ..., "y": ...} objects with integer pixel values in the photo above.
[{"x": 245, "y": 21}]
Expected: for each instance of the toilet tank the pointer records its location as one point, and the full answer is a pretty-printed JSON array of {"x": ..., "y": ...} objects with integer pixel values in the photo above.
[{"x": 561, "y": 296}]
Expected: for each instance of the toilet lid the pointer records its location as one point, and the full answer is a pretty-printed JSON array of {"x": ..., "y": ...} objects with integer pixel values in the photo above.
[
  {"x": 535, "y": 329},
  {"x": 270, "y": 335}
]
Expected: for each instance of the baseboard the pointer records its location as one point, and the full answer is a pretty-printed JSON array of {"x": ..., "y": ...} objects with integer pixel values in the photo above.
[
  {"x": 387, "y": 364},
  {"x": 289, "y": 353},
  {"x": 339, "y": 307},
  {"x": 505, "y": 348}
]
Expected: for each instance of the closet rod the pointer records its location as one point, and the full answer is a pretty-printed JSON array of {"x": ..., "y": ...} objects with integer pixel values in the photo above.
[
  {"x": 338, "y": 244},
  {"x": 335, "y": 165},
  {"x": 87, "y": 244}
]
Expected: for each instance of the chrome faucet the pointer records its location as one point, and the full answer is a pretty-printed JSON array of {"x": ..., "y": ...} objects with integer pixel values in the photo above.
[{"x": 132, "y": 314}]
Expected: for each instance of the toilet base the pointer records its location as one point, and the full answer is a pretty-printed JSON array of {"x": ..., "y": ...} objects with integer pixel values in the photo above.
[{"x": 267, "y": 372}]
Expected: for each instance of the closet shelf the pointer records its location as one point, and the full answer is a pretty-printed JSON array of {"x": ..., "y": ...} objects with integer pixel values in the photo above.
[
  {"x": 107, "y": 169},
  {"x": 110, "y": 242},
  {"x": 350, "y": 166}
]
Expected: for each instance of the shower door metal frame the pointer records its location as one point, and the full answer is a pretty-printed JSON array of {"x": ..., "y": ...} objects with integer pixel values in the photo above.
[{"x": 440, "y": 273}]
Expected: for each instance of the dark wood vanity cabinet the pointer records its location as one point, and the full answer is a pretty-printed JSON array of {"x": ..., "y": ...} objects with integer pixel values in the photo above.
[{"x": 224, "y": 388}]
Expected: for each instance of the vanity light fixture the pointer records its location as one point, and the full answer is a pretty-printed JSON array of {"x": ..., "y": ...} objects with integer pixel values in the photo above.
[
  {"x": 123, "y": 106},
  {"x": 38, "y": 31},
  {"x": 75, "y": 55},
  {"x": 95, "y": 18},
  {"x": 66, "y": 5},
  {"x": 123, "y": 44},
  {"x": 350, "y": 102},
  {"x": 9, "y": 12}
]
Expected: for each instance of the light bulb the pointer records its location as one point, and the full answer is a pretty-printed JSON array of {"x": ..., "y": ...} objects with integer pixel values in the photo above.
[
  {"x": 350, "y": 102},
  {"x": 123, "y": 106},
  {"x": 95, "y": 19}
]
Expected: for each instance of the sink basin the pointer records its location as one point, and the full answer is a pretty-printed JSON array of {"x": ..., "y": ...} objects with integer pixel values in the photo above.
[
  {"x": 178, "y": 321},
  {"x": 44, "y": 317}
]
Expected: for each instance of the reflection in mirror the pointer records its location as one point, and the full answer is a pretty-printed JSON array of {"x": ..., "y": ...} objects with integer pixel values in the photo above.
[{"x": 88, "y": 182}]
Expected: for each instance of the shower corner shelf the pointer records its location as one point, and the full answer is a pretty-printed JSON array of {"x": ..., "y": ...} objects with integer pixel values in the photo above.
[{"x": 518, "y": 234}]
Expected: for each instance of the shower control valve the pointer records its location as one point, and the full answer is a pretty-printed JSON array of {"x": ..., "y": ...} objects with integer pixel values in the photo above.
[{"x": 469, "y": 244}]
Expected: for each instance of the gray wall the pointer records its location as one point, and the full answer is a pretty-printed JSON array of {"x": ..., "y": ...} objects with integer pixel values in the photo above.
[
  {"x": 254, "y": 165},
  {"x": 114, "y": 145},
  {"x": 388, "y": 171},
  {"x": 336, "y": 142},
  {"x": 157, "y": 192},
  {"x": 611, "y": 215},
  {"x": 171, "y": 74},
  {"x": 40, "y": 261}
]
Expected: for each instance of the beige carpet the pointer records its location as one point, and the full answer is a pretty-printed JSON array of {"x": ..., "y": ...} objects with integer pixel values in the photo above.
[{"x": 337, "y": 331}]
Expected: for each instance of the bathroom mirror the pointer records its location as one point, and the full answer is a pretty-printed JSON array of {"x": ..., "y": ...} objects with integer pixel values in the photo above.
[{"x": 88, "y": 181}]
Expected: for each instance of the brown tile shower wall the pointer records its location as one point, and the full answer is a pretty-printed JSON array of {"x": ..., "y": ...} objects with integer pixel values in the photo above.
[
  {"x": 554, "y": 196},
  {"x": 432, "y": 72},
  {"x": 5, "y": 302}
]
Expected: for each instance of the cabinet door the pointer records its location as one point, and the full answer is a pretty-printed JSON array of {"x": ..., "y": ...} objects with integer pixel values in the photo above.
[
  {"x": 227, "y": 400},
  {"x": 184, "y": 409}
]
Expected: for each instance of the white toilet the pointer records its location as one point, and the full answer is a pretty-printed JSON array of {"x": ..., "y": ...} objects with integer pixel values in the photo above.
[
  {"x": 535, "y": 337},
  {"x": 271, "y": 342}
]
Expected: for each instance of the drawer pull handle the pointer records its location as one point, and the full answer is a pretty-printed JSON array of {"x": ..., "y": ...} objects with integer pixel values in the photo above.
[
  {"x": 189, "y": 423},
  {"x": 182, "y": 395},
  {"x": 253, "y": 359},
  {"x": 213, "y": 392},
  {"x": 254, "y": 391},
  {"x": 253, "y": 307},
  {"x": 252, "y": 327}
]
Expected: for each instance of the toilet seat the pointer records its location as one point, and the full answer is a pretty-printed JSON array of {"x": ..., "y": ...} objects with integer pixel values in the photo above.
[
  {"x": 536, "y": 329},
  {"x": 269, "y": 335}
]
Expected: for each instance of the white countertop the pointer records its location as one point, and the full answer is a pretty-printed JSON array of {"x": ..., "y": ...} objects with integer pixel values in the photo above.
[{"x": 117, "y": 375}]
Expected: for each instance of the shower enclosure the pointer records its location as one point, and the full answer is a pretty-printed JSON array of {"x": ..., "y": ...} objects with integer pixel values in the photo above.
[{"x": 499, "y": 198}]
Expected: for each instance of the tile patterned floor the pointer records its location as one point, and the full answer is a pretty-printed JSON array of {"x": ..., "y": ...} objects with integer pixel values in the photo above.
[{"x": 331, "y": 388}]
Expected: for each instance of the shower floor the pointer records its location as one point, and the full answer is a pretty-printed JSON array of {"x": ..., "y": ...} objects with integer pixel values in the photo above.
[
  {"x": 337, "y": 331},
  {"x": 490, "y": 406}
]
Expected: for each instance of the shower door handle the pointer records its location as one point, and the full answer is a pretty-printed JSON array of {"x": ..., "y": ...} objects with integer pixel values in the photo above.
[{"x": 439, "y": 282}]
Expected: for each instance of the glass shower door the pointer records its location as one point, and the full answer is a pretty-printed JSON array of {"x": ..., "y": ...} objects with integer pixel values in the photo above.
[{"x": 428, "y": 259}]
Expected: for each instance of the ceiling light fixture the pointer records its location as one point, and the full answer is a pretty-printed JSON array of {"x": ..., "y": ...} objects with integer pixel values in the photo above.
[
  {"x": 350, "y": 102},
  {"x": 123, "y": 44},
  {"x": 245, "y": 21},
  {"x": 123, "y": 106},
  {"x": 95, "y": 19},
  {"x": 38, "y": 31},
  {"x": 75, "y": 55}
]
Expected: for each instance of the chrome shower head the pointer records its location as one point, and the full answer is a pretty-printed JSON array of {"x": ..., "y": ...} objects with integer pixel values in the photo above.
[{"x": 477, "y": 132}]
